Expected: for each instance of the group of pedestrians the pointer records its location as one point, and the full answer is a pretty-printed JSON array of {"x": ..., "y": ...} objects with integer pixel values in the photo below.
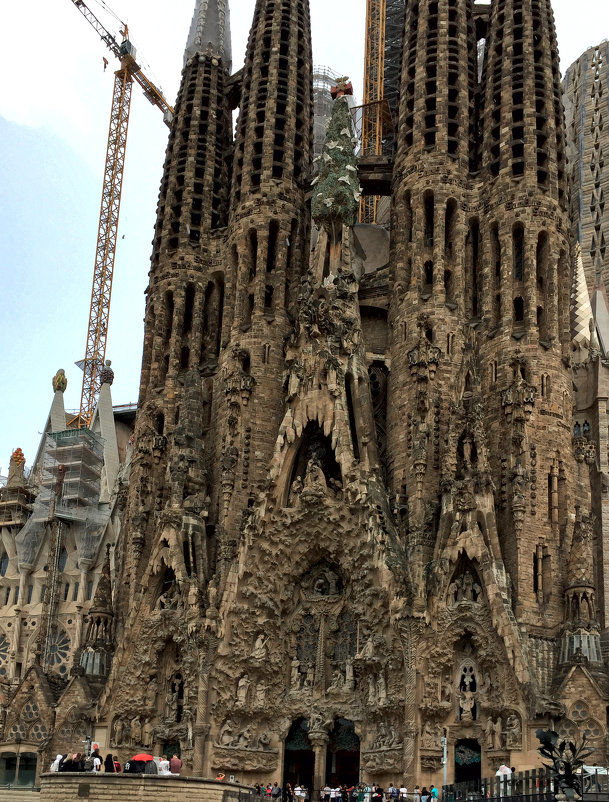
[
  {"x": 344, "y": 793},
  {"x": 79, "y": 761},
  {"x": 95, "y": 762}
]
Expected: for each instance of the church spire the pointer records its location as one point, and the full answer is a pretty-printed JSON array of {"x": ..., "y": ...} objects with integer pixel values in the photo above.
[
  {"x": 210, "y": 31},
  {"x": 581, "y": 310}
]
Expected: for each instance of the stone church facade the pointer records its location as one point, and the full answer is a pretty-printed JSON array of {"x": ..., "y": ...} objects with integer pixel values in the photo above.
[{"x": 357, "y": 513}]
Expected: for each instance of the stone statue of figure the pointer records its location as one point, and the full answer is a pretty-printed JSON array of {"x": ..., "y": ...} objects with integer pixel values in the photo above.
[
  {"x": 259, "y": 651},
  {"x": 171, "y": 704},
  {"x": 136, "y": 731},
  {"x": 225, "y": 738},
  {"x": 314, "y": 477},
  {"x": 118, "y": 732},
  {"x": 368, "y": 650},
  {"x": 242, "y": 689},
  {"x": 446, "y": 690},
  {"x": 151, "y": 693},
  {"x": 296, "y": 676},
  {"x": 295, "y": 491},
  {"x": 261, "y": 691},
  {"x": 427, "y": 736},
  {"x": 244, "y": 738},
  {"x": 349, "y": 677},
  {"x": 337, "y": 681},
  {"x": 466, "y": 703},
  {"x": 513, "y": 732},
  {"x": 381, "y": 687},
  {"x": 147, "y": 733},
  {"x": 212, "y": 592},
  {"x": 497, "y": 733},
  {"x": 489, "y": 732},
  {"x": 316, "y": 722},
  {"x": 371, "y": 690},
  {"x": 310, "y": 678}
]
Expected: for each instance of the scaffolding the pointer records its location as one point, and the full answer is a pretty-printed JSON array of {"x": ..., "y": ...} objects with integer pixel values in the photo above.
[
  {"x": 384, "y": 30},
  {"x": 81, "y": 453},
  {"x": 323, "y": 80},
  {"x": 394, "y": 30}
]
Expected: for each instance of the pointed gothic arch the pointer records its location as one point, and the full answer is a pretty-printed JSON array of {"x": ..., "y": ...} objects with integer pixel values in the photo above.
[{"x": 314, "y": 448}]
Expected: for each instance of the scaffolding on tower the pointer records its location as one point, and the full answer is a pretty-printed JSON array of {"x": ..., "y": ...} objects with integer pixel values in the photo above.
[{"x": 384, "y": 29}]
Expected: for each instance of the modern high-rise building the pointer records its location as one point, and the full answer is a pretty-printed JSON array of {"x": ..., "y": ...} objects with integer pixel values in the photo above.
[{"x": 357, "y": 511}]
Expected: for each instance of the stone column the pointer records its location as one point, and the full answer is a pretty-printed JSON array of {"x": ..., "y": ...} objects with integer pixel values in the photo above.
[
  {"x": 319, "y": 741},
  {"x": 409, "y": 634}
]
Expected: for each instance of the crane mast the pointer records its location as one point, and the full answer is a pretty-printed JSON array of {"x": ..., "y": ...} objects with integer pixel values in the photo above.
[
  {"x": 372, "y": 118},
  {"x": 101, "y": 291}
]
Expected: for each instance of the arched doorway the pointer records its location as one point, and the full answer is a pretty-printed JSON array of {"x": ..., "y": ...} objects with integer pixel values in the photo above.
[
  {"x": 468, "y": 765},
  {"x": 299, "y": 759},
  {"x": 342, "y": 761}
]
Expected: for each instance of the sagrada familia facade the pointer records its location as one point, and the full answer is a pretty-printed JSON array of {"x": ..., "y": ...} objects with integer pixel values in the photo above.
[{"x": 364, "y": 501}]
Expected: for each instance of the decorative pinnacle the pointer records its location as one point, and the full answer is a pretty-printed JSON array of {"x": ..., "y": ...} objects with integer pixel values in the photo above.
[
  {"x": 210, "y": 31},
  {"x": 581, "y": 310},
  {"x": 106, "y": 374},
  {"x": 60, "y": 382}
]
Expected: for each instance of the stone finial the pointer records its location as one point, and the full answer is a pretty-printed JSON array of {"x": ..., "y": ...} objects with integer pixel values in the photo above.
[
  {"x": 106, "y": 374},
  {"x": 60, "y": 382},
  {"x": 16, "y": 469},
  {"x": 343, "y": 86},
  {"x": 102, "y": 601}
]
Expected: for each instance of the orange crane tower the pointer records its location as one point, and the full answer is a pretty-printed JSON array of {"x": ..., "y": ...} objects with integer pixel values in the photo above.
[
  {"x": 372, "y": 117},
  {"x": 101, "y": 291}
]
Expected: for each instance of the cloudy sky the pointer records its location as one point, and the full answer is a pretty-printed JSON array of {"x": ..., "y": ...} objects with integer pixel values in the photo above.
[{"x": 54, "y": 110}]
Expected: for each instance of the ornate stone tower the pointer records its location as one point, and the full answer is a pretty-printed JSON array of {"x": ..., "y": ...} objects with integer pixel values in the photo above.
[
  {"x": 184, "y": 307},
  {"x": 266, "y": 248}
]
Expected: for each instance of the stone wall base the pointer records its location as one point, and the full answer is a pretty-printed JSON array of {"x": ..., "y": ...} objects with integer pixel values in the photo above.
[{"x": 68, "y": 787}]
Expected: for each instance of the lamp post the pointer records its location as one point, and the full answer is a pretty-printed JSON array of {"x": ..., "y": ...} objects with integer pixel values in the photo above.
[{"x": 444, "y": 743}]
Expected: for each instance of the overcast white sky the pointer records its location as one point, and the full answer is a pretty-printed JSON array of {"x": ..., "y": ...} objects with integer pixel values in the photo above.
[{"x": 54, "y": 108}]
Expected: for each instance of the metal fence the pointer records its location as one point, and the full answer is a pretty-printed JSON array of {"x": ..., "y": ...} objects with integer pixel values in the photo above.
[{"x": 527, "y": 786}]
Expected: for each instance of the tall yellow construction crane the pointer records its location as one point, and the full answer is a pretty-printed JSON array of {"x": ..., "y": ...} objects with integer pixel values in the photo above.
[
  {"x": 101, "y": 291},
  {"x": 372, "y": 116}
]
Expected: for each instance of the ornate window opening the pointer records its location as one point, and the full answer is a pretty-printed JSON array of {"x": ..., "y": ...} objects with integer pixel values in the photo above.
[
  {"x": 59, "y": 650},
  {"x": 165, "y": 597},
  {"x": 345, "y": 642},
  {"x": 428, "y": 201},
  {"x": 518, "y": 251},
  {"x": 213, "y": 311},
  {"x": 472, "y": 269},
  {"x": 467, "y": 685},
  {"x": 349, "y": 391},
  {"x": 63, "y": 559},
  {"x": 306, "y": 641},
  {"x": 4, "y": 648}
]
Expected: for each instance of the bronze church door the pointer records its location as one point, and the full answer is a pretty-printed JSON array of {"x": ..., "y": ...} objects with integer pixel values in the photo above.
[
  {"x": 468, "y": 760},
  {"x": 342, "y": 762},
  {"x": 299, "y": 758}
]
